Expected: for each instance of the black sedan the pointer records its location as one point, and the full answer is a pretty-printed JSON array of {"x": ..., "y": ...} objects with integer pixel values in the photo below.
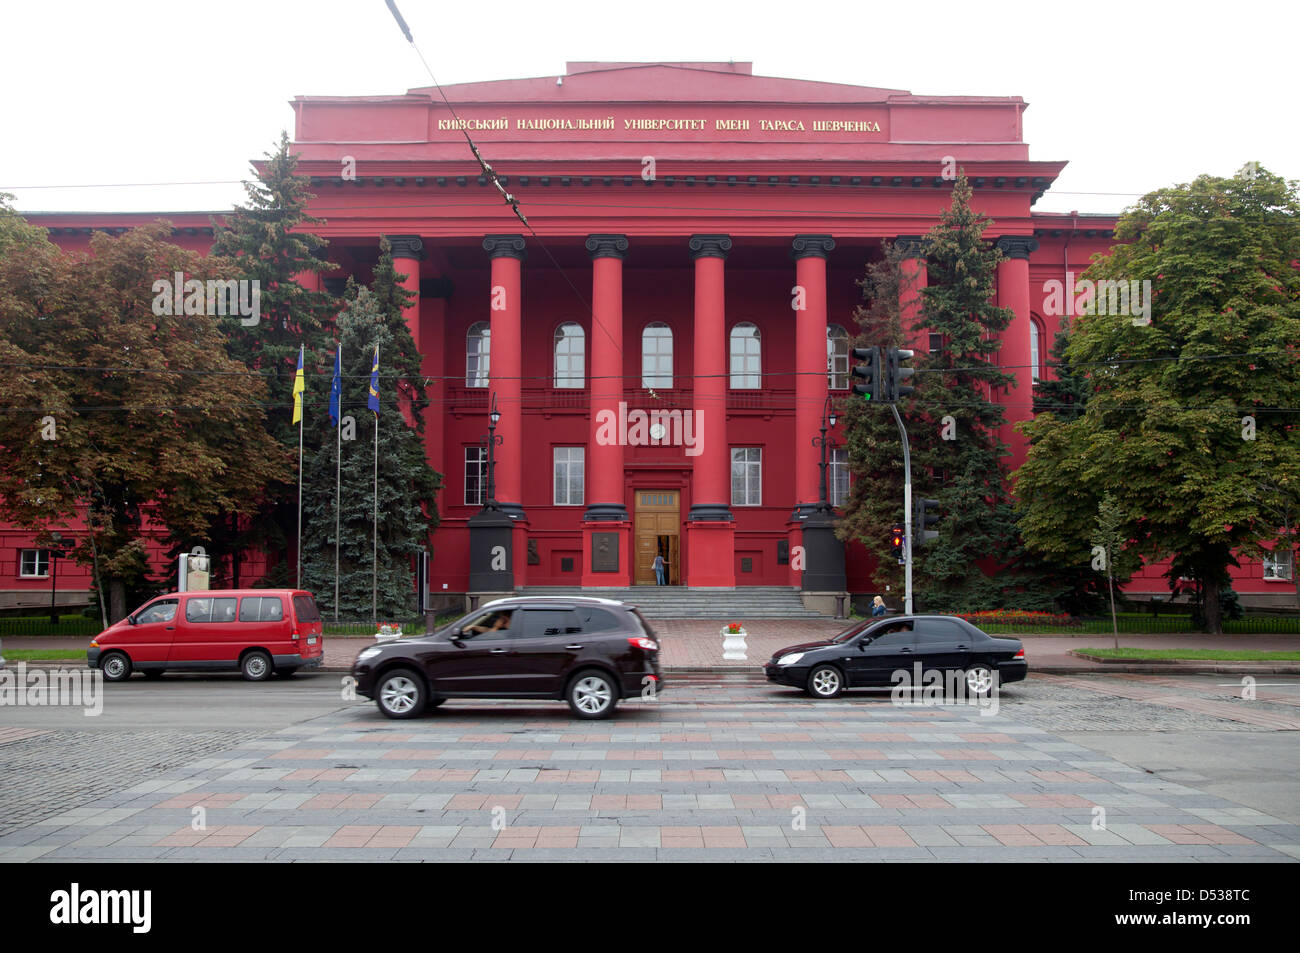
[{"x": 872, "y": 654}]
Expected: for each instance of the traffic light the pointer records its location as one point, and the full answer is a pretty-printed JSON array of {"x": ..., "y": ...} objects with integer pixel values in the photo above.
[
  {"x": 869, "y": 371},
  {"x": 896, "y": 541},
  {"x": 925, "y": 513},
  {"x": 896, "y": 373}
]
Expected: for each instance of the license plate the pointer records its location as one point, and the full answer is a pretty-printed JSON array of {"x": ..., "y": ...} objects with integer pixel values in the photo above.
[{"x": 312, "y": 640}]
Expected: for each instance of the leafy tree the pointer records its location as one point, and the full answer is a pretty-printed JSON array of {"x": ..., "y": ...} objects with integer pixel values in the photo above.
[
  {"x": 125, "y": 418},
  {"x": 407, "y": 484},
  {"x": 268, "y": 242},
  {"x": 1188, "y": 414}
]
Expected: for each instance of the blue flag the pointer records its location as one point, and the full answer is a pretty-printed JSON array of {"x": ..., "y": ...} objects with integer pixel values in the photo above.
[
  {"x": 336, "y": 388},
  {"x": 373, "y": 402}
]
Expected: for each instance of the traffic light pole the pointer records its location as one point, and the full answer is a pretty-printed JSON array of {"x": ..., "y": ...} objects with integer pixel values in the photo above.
[{"x": 907, "y": 512}]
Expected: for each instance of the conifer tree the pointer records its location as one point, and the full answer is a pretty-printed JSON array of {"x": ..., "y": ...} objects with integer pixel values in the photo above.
[
  {"x": 267, "y": 242},
  {"x": 407, "y": 484}
]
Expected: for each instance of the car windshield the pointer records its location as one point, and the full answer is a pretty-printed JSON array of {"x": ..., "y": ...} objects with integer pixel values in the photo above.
[{"x": 851, "y": 631}]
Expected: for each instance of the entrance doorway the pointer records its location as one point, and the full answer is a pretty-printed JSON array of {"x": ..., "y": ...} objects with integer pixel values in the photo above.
[{"x": 658, "y": 532}]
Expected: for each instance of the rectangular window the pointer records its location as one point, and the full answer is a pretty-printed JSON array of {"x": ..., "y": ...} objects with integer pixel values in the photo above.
[
  {"x": 936, "y": 342},
  {"x": 1277, "y": 565},
  {"x": 261, "y": 609},
  {"x": 210, "y": 609},
  {"x": 34, "y": 563},
  {"x": 746, "y": 476},
  {"x": 838, "y": 477},
  {"x": 568, "y": 471},
  {"x": 476, "y": 474}
]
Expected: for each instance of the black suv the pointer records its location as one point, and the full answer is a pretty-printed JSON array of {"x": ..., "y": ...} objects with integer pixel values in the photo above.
[{"x": 589, "y": 652}]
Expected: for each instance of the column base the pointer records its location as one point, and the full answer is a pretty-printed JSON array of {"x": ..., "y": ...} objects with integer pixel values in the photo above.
[
  {"x": 606, "y": 544},
  {"x": 823, "y": 555},
  {"x": 711, "y": 552},
  {"x": 710, "y": 513},
  {"x": 491, "y": 551},
  {"x": 606, "y": 513}
]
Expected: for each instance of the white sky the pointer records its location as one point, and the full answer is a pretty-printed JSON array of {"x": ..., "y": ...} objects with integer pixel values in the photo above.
[{"x": 1136, "y": 95}]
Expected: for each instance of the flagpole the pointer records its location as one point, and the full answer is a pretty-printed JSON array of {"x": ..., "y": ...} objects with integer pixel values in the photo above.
[
  {"x": 338, "y": 467},
  {"x": 298, "y": 578},
  {"x": 374, "y": 569}
]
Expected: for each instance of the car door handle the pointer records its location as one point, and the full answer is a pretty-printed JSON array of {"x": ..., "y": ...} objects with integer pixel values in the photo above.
[
  {"x": 963, "y": 648},
  {"x": 498, "y": 651},
  {"x": 905, "y": 650},
  {"x": 573, "y": 646}
]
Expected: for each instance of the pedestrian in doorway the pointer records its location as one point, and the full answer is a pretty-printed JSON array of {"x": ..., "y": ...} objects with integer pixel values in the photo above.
[
  {"x": 661, "y": 570},
  {"x": 878, "y": 606}
]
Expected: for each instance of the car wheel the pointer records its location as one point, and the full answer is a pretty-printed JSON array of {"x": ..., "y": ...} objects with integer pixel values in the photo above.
[
  {"x": 400, "y": 693},
  {"x": 255, "y": 666},
  {"x": 153, "y": 673},
  {"x": 980, "y": 681},
  {"x": 286, "y": 672},
  {"x": 115, "y": 666},
  {"x": 825, "y": 681},
  {"x": 592, "y": 695}
]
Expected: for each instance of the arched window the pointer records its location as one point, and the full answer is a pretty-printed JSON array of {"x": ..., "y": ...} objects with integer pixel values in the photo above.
[
  {"x": 570, "y": 355},
  {"x": 477, "y": 347},
  {"x": 837, "y": 356},
  {"x": 746, "y": 357},
  {"x": 1035, "y": 356}
]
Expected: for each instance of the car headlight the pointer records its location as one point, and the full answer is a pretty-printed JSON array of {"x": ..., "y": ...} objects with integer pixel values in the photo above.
[
  {"x": 789, "y": 659},
  {"x": 369, "y": 653}
]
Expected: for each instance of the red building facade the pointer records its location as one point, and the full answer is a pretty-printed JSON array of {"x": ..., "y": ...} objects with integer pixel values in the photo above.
[{"x": 661, "y": 350}]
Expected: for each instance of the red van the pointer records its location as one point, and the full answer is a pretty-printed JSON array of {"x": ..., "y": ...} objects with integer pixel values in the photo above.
[{"x": 253, "y": 631}]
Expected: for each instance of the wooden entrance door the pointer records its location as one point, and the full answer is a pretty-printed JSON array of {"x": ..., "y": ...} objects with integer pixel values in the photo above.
[{"x": 658, "y": 526}]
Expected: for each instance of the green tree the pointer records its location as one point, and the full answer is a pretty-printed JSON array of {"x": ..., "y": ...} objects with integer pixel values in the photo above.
[
  {"x": 875, "y": 454},
  {"x": 119, "y": 415},
  {"x": 268, "y": 241},
  {"x": 957, "y": 453},
  {"x": 1191, "y": 411},
  {"x": 407, "y": 484}
]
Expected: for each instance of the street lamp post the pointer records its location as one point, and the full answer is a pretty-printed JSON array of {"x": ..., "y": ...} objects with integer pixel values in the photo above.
[
  {"x": 829, "y": 418},
  {"x": 57, "y": 538},
  {"x": 492, "y": 441}
]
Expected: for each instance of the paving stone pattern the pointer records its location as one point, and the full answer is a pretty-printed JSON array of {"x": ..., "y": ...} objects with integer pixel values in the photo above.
[{"x": 721, "y": 772}]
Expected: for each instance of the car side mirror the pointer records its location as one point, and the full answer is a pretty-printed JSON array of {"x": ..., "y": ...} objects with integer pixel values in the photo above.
[{"x": 131, "y": 620}]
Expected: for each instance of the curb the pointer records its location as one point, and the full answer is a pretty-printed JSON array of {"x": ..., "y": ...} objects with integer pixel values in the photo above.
[{"x": 753, "y": 672}]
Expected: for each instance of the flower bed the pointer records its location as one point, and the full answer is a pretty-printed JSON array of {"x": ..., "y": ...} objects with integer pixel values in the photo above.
[{"x": 1019, "y": 617}]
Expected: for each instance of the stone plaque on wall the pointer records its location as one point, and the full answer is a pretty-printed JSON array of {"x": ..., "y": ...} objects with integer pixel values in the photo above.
[{"x": 604, "y": 552}]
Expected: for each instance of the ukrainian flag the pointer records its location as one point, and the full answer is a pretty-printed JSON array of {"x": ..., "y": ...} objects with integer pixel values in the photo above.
[{"x": 298, "y": 386}]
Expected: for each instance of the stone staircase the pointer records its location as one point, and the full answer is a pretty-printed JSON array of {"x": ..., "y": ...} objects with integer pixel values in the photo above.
[{"x": 679, "y": 602}]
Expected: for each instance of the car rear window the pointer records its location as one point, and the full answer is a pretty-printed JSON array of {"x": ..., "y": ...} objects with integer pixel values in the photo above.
[
  {"x": 645, "y": 626},
  {"x": 261, "y": 609},
  {"x": 598, "y": 620},
  {"x": 304, "y": 607}
]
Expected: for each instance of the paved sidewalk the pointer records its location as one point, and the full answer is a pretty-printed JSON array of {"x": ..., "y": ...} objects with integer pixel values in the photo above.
[{"x": 709, "y": 775}]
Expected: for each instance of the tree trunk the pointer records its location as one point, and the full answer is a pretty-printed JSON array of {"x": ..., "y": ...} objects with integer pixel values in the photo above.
[
  {"x": 234, "y": 551},
  {"x": 1110, "y": 584},
  {"x": 1213, "y": 615},
  {"x": 116, "y": 600}
]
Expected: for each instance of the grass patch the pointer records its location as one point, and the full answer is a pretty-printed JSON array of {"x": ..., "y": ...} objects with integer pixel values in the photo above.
[
  {"x": 33, "y": 655},
  {"x": 1217, "y": 655}
]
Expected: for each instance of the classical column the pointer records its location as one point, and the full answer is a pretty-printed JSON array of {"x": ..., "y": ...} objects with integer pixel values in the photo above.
[
  {"x": 915, "y": 279},
  {"x": 710, "y": 546},
  {"x": 499, "y": 536},
  {"x": 817, "y": 563},
  {"x": 606, "y": 532},
  {"x": 1013, "y": 293},
  {"x": 505, "y": 365},
  {"x": 810, "y": 382}
]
